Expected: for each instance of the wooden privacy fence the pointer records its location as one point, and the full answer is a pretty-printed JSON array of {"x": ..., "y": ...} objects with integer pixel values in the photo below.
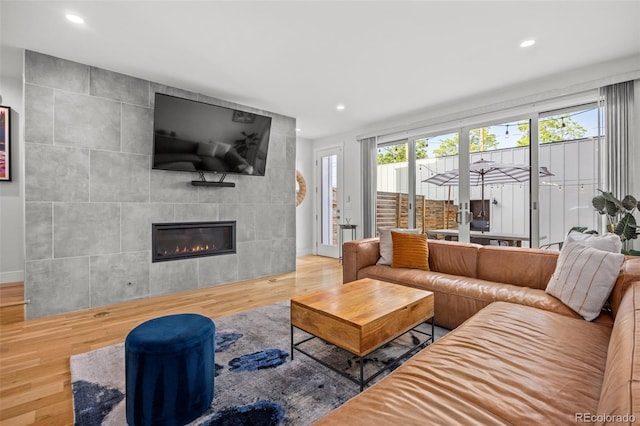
[{"x": 392, "y": 210}]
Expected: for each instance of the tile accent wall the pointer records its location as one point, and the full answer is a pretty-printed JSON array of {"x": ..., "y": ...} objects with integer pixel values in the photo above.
[{"x": 91, "y": 195}]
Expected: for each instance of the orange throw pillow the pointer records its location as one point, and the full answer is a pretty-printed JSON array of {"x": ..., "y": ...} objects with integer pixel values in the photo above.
[{"x": 410, "y": 251}]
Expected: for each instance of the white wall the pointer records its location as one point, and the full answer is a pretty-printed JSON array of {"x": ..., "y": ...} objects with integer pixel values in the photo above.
[
  {"x": 11, "y": 193},
  {"x": 513, "y": 97},
  {"x": 304, "y": 212}
]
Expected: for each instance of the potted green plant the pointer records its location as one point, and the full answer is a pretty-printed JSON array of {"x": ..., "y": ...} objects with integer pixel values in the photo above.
[{"x": 620, "y": 215}]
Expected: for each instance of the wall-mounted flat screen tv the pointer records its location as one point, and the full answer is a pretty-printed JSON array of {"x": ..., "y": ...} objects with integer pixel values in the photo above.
[{"x": 195, "y": 136}]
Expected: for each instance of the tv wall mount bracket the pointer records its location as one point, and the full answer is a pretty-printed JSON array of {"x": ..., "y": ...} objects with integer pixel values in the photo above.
[{"x": 220, "y": 183}]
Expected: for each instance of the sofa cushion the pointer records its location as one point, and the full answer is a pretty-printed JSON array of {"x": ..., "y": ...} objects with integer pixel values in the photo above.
[
  {"x": 509, "y": 364},
  {"x": 453, "y": 258},
  {"x": 584, "y": 277},
  {"x": 621, "y": 386},
  {"x": 629, "y": 273},
  {"x": 522, "y": 266},
  {"x": 410, "y": 251}
]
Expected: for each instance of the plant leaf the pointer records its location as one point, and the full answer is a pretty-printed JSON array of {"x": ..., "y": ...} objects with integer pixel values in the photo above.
[
  {"x": 614, "y": 206},
  {"x": 629, "y": 202},
  {"x": 626, "y": 228},
  {"x": 599, "y": 203},
  {"x": 580, "y": 229}
]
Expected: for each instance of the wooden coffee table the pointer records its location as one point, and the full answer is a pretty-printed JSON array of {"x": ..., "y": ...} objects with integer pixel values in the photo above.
[{"x": 360, "y": 317}]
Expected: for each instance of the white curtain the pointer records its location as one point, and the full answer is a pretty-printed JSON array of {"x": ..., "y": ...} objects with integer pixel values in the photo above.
[
  {"x": 369, "y": 165},
  {"x": 618, "y": 129}
]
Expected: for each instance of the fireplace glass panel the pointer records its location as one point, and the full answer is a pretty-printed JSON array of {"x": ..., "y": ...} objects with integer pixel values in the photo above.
[{"x": 186, "y": 240}]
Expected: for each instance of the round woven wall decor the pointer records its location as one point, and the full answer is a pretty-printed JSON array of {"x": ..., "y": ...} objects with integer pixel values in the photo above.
[{"x": 302, "y": 188}]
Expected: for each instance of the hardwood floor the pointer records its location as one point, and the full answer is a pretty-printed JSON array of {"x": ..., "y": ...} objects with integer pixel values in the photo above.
[
  {"x": 35, "y": 381},
  {"x": 12, "y": 302}
]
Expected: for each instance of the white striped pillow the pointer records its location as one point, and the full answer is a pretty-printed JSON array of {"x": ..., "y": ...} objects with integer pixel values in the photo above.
[{"x": 584, "y": 278}]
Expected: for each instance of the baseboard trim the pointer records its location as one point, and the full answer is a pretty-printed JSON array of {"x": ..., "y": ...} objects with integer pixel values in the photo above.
[{"x": 304, "y": 252}]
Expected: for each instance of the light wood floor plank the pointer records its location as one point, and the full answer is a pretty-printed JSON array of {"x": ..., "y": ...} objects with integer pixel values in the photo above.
[{"x": 35, "y": 380}]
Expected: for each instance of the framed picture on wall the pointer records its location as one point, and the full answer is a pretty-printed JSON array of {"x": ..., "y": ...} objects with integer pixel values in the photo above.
[{"x": 5, "y": 143}]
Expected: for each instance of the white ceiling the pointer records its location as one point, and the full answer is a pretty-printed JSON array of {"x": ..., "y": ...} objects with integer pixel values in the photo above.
[{"x": 301, "y": 58}]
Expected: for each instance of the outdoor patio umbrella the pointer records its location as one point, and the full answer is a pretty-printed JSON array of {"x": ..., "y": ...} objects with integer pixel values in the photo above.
[{"x": 487, "y": 172}]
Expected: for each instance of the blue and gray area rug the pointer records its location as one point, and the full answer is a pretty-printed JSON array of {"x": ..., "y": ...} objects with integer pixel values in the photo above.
[{"x": 256, "y": 381}]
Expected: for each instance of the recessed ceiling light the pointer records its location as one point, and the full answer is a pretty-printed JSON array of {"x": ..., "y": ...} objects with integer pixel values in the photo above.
[
  {"x": 297, "y": 129},
  {"x": 74, "y": 18},
  {"x": 528, "y": 43},
  {"x": 340, "y": 107}
]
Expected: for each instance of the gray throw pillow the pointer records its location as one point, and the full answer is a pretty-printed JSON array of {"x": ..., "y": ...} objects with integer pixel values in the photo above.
[{"x": 608, "y": 242}]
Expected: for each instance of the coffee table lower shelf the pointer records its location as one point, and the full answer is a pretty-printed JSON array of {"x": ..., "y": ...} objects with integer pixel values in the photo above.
[{"x": 295, "y": 346}]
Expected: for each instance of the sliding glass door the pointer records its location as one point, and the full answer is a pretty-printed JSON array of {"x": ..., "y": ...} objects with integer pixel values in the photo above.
[
  {"x": 437, "y": 200},
  {"x": 499, "y": 176},
  {"x": 489, "y": 184},
  {"x": 392, "y": 189},
  {"x": 406, "y": 198},
  {"x": 569, "y": 145}
]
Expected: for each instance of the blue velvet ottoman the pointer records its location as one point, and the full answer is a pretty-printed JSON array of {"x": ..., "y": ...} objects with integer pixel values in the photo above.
[{"x": 169, "y": 370}]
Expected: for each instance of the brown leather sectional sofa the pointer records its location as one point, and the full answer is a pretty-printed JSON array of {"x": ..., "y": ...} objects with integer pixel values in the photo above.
[
  {"x": 468, "y": 277},
  {"x": 518, "y": 355}
]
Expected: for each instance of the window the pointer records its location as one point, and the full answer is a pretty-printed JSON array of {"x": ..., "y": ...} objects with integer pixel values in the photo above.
[
  {"x": 499, "y": 191},
  {"x": 392, "y": 195},
  {"x": 567, "y": 150},
  {"x": 569, "y": 145},
  {"x": 436, "y": 205}
]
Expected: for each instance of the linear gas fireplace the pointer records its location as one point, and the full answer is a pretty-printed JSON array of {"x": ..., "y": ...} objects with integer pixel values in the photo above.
[{"x": 173, "y": 241}]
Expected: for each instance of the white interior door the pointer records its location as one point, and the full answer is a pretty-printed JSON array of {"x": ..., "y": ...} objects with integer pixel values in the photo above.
[{"x": 328, "y": 201}]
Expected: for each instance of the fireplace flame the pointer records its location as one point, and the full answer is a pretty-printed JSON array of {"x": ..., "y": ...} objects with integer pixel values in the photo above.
[{"x": 194, "y": 249}]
